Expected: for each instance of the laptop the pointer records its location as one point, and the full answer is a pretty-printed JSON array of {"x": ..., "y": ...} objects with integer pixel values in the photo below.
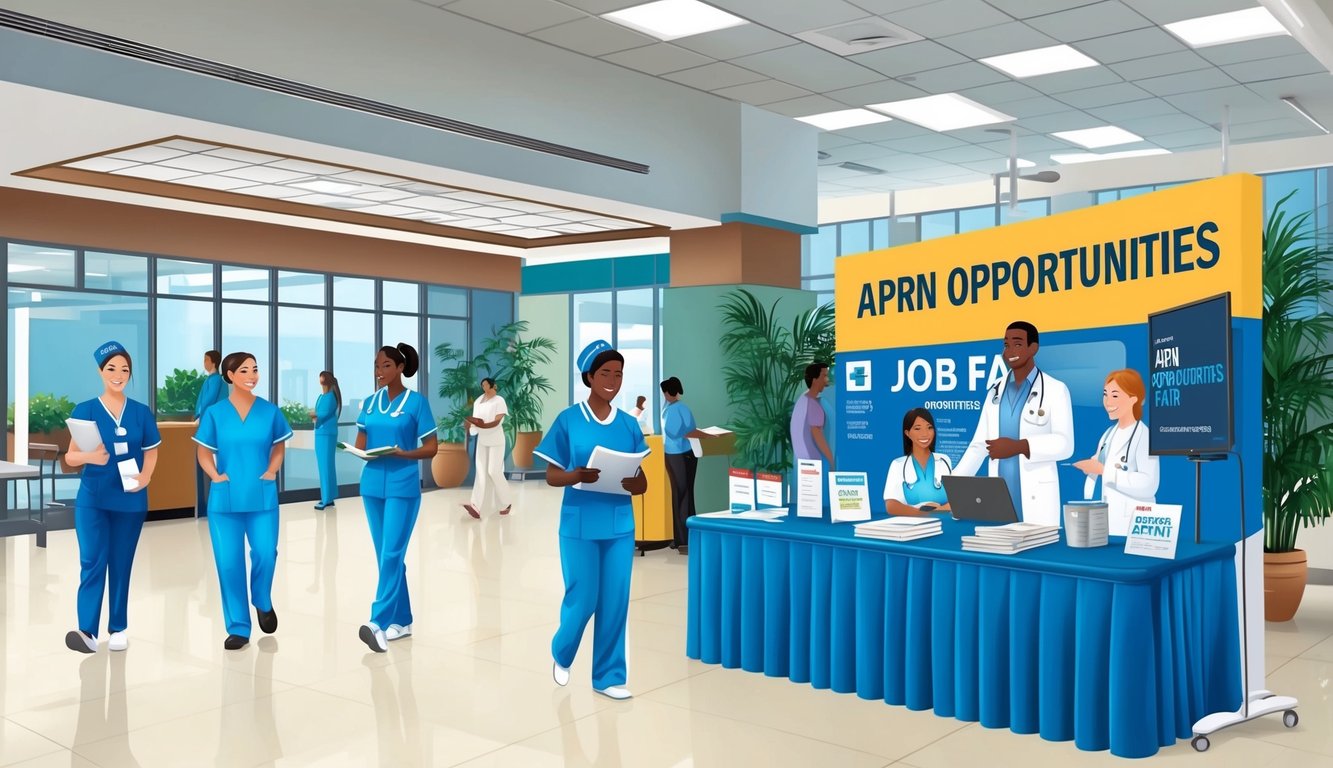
[{"x": 979, "y": 499}]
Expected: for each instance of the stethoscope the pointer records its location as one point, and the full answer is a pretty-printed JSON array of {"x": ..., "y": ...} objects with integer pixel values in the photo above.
[
  {"x": 934, "y": 457},
  {"x": 1038, "y": 391},
  {"x": 1106, "y": 443},
  {"x": 120, "y": 431},
  {"x": 378, "y": 398}
]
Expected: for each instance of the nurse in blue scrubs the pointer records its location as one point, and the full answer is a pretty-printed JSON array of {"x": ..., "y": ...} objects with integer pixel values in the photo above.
[
  {"x": 242, "y": 442},
  {"x": 394, "y": 417},
  {"x": 328, "y": 408},
  {"x": 914, "y": 485},
  {"x": 212, "y": 392},
  {"x": 596, "y": 529},
  {"x": 107, "y": 516}
]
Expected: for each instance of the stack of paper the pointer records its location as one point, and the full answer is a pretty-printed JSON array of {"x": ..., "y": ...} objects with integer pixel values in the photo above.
[
  {"x": 900, "y": 528},
  {"x": 1011, "y": 538}
]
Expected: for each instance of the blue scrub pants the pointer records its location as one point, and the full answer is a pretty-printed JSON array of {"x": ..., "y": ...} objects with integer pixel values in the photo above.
[
  {"x": 391, "y": 522},
  {"x": 107, "y": 541},
  {"x": 325, "y": 448},
  {"x": 229, "y": 531},
  {"x": 597, "y": 573}
]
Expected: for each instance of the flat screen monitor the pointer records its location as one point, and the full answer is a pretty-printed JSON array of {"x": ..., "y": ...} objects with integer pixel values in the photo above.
[{"x": 1190, "y": 385}]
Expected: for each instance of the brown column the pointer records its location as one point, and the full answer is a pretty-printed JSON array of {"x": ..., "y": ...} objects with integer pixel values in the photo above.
[{"x": 735, "y": 254}]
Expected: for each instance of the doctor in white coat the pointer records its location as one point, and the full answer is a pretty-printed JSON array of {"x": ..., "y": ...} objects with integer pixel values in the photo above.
[
  {"x": 1129, "y": 474},
  {"x": 1026, "y": 429}
]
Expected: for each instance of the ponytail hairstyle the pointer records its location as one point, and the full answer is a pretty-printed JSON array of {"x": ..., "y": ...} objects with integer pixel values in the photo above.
[
  {"x": 327, "y": 376},
  {"x": 232, "y": 362},
  {"x": 404, "y": 355}
]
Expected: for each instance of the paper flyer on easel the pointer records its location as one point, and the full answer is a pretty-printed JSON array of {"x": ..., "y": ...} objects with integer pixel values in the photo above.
[
  {"x": 768, "y": 491},
  {"x": 849, "y": 497},
  {"x": 809, "y": 488},
  {"x": 1154, "y": 530},
  {"x": 741, "y": 489}
]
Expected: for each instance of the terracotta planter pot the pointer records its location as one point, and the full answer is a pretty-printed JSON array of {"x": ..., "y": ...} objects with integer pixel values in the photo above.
[
  {"x": 450, "y": 465},
  {"x": 59, "y": 437},
  {"x": 1284, "y": 584},
  {"x": 524, "y": 443}
]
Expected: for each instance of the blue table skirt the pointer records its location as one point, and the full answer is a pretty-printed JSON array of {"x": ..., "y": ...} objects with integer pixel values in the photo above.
[{"x": 1121, "y": 665}]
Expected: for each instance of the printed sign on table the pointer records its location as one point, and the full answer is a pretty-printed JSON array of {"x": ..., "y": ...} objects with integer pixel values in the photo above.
[{"x": 1153, "y": 530}]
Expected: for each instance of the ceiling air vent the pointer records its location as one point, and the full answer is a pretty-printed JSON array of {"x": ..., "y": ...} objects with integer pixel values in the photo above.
[
  {"x": 862, "y": 168},
  {"x": 861, "y": 36}
]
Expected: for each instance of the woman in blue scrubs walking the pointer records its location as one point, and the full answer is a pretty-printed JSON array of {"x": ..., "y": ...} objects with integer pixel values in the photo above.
[
  {"x": 241, "y": 448},
  {"x": 394, "y": 417},
  {"x": 596, "y": 529},
  {"x": 107, "y": 517},
  {"x": 328, "y": 408}
]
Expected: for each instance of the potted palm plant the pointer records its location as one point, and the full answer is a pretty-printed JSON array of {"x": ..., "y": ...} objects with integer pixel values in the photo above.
[
  {"x": 1297, "y": 402},
  {"x": 765, "y": 373},
  {"x": 515, "y": 360},
  {"x": 46, "y": 423},
  {"x": 460, "y": 385}
]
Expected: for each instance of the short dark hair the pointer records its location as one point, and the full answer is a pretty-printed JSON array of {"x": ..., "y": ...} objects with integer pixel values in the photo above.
[
  {"x": 608, "y": 356},
  {"x": 214, "y": 357},
  {"x": 1025, "y": 327},
  {"x": 812, "y": 372},
  {"x": 233, "y": 361},
  {"x": 488, "y": 380},
  {"x": 673, "y": 387},
  {"x": 404, "y": 355},
  {"x": 640, "y": 401},
  {"x": 909, "y": 419}
]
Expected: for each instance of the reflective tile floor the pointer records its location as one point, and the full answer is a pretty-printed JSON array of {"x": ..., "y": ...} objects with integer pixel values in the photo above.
[{"x": 472, "y": 686}]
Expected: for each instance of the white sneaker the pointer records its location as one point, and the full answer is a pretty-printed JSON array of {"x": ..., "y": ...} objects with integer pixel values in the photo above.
[
  {"x": 76, "y": 640},
  {"x": 561, "y": 674},
  {"x": 619, "y": 693},
  {"x": 397, "y": 632},
  {"x": 118, "y": 642},
  {"x": 373, "y": 637}
]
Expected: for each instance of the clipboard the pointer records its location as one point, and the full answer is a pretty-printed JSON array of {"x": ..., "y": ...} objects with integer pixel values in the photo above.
[{"x": 615, "y": 466}]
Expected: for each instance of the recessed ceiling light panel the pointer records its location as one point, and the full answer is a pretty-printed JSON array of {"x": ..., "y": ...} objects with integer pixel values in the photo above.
[
  {"x": 943, "y": 112},
  {"x": 1096, "y": 138},
  {"x": 1233, "y": 27},
  {"x": 844, "y": 118},
  {"x": 1089, "y": 157},
  {"x": 674, "y": 19},
  {"x": 1040, "y": 61}
]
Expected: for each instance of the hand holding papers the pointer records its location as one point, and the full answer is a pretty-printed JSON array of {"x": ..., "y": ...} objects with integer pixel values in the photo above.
[
  {"x": 373, "y": 453},
  {"x": 613, "y": 468},
  {"x": 85, "y": 434},
  {"x": 129, "y": 471}
]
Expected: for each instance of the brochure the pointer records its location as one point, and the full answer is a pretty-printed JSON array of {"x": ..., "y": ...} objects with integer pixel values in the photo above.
[
  {"x": 768, "y": 491},
  {"x": 1153, "y": 530},
  {"x": 741, "y": 489},
  {"x": 809, "y": 488},
  {"x": 849, "y": 497}
]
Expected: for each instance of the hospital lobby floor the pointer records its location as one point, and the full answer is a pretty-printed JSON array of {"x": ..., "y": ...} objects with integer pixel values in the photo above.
[{"x": 473, "y": 685}]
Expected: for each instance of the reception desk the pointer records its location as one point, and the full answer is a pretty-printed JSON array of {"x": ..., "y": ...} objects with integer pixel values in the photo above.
[
  {"x": 652, "y": 511},
  {"x": 171, "y": 494}
]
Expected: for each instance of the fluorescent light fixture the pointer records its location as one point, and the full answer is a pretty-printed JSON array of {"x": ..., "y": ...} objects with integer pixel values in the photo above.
[
  {"x": 1291, "y": 102},
  {"x": 943, "y": 112},
  {"x": 1040, "y": 61},
  {"x": 1089, "y": 157},
  {"x": 844, "y": 118},
  {"x": 1096, "y": 138},
  {"x": 673, "y": 19},
  {"x": 1233, "y": 27}
]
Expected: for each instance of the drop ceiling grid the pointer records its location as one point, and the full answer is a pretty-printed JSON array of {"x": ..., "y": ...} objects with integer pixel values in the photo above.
[{"x": 761, "y": 63}]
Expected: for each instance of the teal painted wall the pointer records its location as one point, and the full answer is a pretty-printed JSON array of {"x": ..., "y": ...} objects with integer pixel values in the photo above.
[
  {"x": 549, "y": 316},
  {"x": 691, "y": 325}
]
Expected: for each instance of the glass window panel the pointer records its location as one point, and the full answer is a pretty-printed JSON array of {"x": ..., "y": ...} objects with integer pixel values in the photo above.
[
  {"x": 184, "y": 278},
  {"x": 1125, "y": 194},
  {"x": 245, "y": 328},
  {"x": 823, "y": 250},
  {"x": 879, "y": 234},
  {"x": 41, "y": 265},
  {"x": 824, "y": 298},
  {"x": 1106, "y": 196},
  {"x": 353, "y": 292},
  {"x": 854, "y": 238},
  {"x": 635, "y": 332},
  {"x": 1027, "y": 209},
  {"x": 442, "y": 331},
  {"x": 301, "y": 288},
  {"x": 404, "y": 328},
  {"x": 592, "y": 321},
  {"x": 971, "y": 219},
  {"x": 300, "y": 359},
  {"x": 115, "y": 272},
  {"x": 442, "y": 300},
  {"x": 904, "y": 230},
  {"x": 245, "y": 283},
  {"x": 401, "y": 297},
  {"x": 819, "y": 284},
  {"x": 180, "y": 354},
  {"x": 354, "y": 359},
  {"x": 1278, "y": 186},
  {"x": 935, "y": 225}
]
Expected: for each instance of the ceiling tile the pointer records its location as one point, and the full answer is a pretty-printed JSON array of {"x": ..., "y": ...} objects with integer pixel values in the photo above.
[
  {"x": 999, "y": 93},
  {"x": 1207, "y": 105},
  {"x": 1251, "y": 50},
  {"x": 1202, "y": 80},
  {"x": 658, "y": 59},
  {"x": 593, "y": 37},
  {"x": 1291, "y": 126},
  {"x": 928, "y": 143},
  {"x": 1104, "y": 95},
  {"x": 933, "y": 173},
  {"x": 855, "y": 153},
  {"x": 909, "y": 57},
  {"x": 948, "y": 17},
  {"x": 793, "y": 17},
  {"x": 993, "y": 41},
  {"x": 518, "y": 15},
  {"x": 1304, "y": 86},
  {"x": 1274, "y": 69},
  {"x": 890, "y": 6},
  {"x": 890, "y": 131},
  {"x": 1097, "y": 20},
  {"x": 875, "y": 93},
  {"x": 1134, "y": 109},
  {"x": 1042, "y": 105},
  {"x": 1134, "y": 44},
  {"x": 602, "y": 6},
  {"x": 829, "y": 171},
  {"x": 1158, "y": 124},
  {"x": 1023, "y": 9},
  {"x": 897, "y": 162},
  {"x": 950, "y": 79},
  {"x": 968, "y": 154},
  {"x": 806, "y": 105},
  {"x": 1061, "y": 121},
  {"x": 762, "y": 92},
  {"x": 1029, "y": 144},
  {"x": 1178, "y": 10},
  {"x": 1063, "y": 82},
  {"x": 710, "y": 77},
  {"x": 733, "y": 42},
  {"x": 1164, "y": 64},
  {"x": 1181, "y": 139},
  {"x": 809, "y": 67},
  {"x": 1252, "y": 113},
  {"x": 828, "y": 141}
]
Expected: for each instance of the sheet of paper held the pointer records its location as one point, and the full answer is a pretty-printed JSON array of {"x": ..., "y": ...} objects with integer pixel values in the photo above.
[
  {"x": 615, "y": 467},
  {"x": 85, "y": 434},
  {"x": 767, "y": 515}
]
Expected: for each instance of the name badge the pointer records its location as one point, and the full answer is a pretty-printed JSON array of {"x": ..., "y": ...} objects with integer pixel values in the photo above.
[{"x": 121, "y": 448}]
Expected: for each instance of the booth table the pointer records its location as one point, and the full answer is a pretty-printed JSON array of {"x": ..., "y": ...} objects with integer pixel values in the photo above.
[{"x": 1109, "y": 650}]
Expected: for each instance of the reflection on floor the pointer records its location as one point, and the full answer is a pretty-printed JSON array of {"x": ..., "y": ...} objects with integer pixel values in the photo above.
[{"x": 473, "y": 685}]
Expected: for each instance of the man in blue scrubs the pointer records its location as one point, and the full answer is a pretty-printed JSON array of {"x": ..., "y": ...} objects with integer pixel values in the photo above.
[{"x": 213, "y": 392}]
